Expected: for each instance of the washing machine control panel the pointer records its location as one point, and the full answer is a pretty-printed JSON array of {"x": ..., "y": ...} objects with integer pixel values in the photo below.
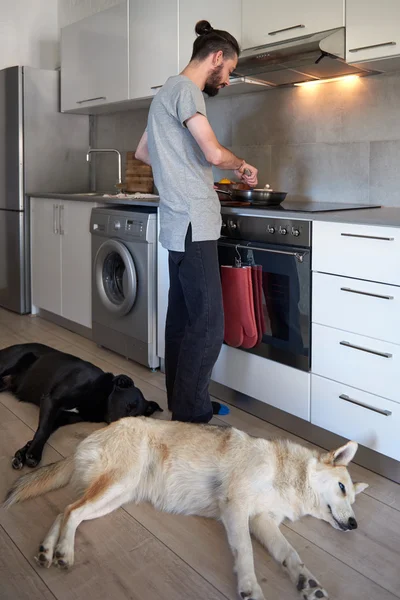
[{"x": 134, "y": 228}]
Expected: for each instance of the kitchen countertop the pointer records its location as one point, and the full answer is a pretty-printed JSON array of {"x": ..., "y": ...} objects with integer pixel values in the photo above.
[
  {"x": 99, "y": 198},
  {"x": 385, "y": 216}
]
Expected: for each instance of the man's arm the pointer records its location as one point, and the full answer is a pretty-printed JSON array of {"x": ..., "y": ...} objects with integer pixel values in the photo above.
[
  {"x": 215, "y": 153},
  {"x": 142, "y": 151}
]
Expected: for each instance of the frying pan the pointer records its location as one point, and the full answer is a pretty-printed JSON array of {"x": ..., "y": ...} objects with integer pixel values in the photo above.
[{"x": 265, "y": 197}]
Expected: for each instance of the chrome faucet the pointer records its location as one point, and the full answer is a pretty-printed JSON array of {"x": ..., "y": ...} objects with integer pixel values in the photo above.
[{"x": 107, "y": 150}]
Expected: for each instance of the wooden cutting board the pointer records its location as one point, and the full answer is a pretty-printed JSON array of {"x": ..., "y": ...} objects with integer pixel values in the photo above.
[{"x": 138, "y": 175}]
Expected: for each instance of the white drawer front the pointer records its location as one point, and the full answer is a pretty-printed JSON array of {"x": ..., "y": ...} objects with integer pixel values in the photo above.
[
  {"x": 364, "y": 307},
  {"x": 362, "y": 362},
  {"x": 358, "y": 251},
  {"x": 370, "y": 420}
]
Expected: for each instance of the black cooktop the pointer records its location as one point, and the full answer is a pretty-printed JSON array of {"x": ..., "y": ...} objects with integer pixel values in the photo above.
[{"x": 308, "y": 207}]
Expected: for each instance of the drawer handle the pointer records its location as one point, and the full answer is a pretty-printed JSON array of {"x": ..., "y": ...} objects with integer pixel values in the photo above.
[
  {"x": 367, "y": 237},
  {"x": 354, "y": 347},
  {"x": 286, "y": 29},
  {"x": 61, "y": 220},
  {"x": 386, "y": 413},
  {"x": 381, "y": 45},
  {"x": 55, "y": 210},
  {"x": 91, "y": 99},
  {"x": 381, "y": 296}
]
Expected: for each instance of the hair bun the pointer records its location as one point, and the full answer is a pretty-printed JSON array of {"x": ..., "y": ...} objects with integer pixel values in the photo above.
[{"x": 203, "y": 27}]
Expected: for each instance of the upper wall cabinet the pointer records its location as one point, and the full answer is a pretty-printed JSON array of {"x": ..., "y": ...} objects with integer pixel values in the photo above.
[
  {"x": 224, "y": 14},
  {"x": 268, "y": 21},
  {"x": 153, "y": 45},
  {"x": 372, "y": 29},
  {"x": 94, "y": 60}
]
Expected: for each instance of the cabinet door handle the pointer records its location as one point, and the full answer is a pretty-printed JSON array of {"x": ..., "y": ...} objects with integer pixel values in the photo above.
[
  {"x": 381, "y": 296},
  {"x": 286, "y": 29},
  {"x": 156, "y": 87},
  {"x": 61, "y": 218},
  {"x": 360, "y": 48},
  {"x": 55, "y": 223},
  {"x": 386, "y": 413},
  {"x": 362, "y": 349},
  {"x": 368, "y": 237},
  {"x": 91, "y": 99}
]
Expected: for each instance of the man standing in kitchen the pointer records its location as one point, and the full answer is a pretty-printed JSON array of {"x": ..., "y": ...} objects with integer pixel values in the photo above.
[{"x": 181, "y": 147}]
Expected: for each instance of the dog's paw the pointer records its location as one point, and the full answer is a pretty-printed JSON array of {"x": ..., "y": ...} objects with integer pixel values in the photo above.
[
  {"x": 63, "y": 558},
  {"x": 31, "y": 461},
  {"x": 250, "y": 591},
  {"x": 17, "y": 461},
  {"x": 44, "y": 557},
  {"x": 310, "y": 589}
]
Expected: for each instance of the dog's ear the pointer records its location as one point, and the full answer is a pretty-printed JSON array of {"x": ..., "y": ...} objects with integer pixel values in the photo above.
[
  {"x": 342, "y": 456},
  {"x": 123, "y": 382},
  {"x": 360, "y": 487},
  {"x": 151, "y": 408}
]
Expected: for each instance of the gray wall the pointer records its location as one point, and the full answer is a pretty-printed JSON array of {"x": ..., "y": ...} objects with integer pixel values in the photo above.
[{"x": 337, "y": 142}]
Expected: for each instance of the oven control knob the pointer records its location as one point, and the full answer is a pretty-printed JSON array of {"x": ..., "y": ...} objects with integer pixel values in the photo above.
[
  {"x": 117, "y": 225},
  {"x": 295, "y": 232},
  {"x": 282, "y": 231},
  {"x": 270, "y": 229},
  {"x": 233, "y": 225}
]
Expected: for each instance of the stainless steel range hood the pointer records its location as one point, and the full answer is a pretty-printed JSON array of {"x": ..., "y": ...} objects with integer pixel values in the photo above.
[{"x": 316, "y": 56}]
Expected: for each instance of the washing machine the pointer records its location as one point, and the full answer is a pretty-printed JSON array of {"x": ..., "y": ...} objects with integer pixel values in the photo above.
[{"x": 124, "y": 281}]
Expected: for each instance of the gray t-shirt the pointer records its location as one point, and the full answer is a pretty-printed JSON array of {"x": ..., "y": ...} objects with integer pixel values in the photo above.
[{"x": 181, "y": 172}]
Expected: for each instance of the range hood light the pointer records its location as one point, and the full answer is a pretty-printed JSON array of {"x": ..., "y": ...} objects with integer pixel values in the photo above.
[{"x": 329, "y": 80}]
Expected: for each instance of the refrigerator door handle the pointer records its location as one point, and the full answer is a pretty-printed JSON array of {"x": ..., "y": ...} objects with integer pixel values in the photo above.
[
  {"x": 55, "y": 220},
  {"x": 61, "y": 219}
]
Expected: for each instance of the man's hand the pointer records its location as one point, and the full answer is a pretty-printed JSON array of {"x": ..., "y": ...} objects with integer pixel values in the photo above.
[{"x": 248, "y": 174}]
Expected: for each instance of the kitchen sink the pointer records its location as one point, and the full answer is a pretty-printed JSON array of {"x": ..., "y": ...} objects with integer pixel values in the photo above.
[{"x": 93, "y": 193}]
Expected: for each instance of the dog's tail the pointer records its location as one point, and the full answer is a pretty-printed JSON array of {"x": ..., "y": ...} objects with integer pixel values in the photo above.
[{"x": 41, "y": 481}]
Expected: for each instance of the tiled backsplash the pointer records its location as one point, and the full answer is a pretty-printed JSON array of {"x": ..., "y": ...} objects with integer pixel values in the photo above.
[{"x": 337, "y": 142}]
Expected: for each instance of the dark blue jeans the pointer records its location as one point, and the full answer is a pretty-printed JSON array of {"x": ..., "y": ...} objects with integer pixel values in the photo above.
[{"x": 194, "y": 329}]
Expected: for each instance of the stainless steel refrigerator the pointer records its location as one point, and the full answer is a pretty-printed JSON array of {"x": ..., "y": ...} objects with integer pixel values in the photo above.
[{"x": 41, "y": 150}]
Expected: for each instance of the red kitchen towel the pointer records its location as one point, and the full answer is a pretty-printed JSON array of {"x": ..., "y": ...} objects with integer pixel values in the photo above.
[
  {"x": 250, "y": 335},
  {"x": 256, "y": 276},
  {"x": 238, "y": 306}
]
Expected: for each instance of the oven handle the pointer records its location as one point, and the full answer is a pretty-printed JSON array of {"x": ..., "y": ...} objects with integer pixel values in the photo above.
[{"x": 298, "y": 255}]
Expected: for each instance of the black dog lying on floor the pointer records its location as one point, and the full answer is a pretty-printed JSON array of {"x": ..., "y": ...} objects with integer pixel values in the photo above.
[{"x": 68, "y": 390}]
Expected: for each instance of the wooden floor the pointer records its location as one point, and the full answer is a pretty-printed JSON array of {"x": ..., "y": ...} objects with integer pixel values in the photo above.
[{"x": 137, "y": 553}]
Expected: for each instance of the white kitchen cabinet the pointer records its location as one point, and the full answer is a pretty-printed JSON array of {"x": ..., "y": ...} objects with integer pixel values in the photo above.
[
  {"x": 94, "y": 60},
  {"x": 368, "y": 308},
  {"x": 76, "y": 262},
  {"x": 225, "y": 15},
  {"x": 372, "y": 29},
  {"x": 45, "y": 255},
  {"x": 356, "y": 360},
  {"x": 267, "y": 21},
  {"x": 153, "y": 45},
  {"x": 360, "y": 251},
  {"x": 61, "y": 258},
  {"x": 355, "y": 415}
]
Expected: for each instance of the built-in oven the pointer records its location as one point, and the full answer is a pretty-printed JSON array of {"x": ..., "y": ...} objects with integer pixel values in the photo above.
[{"x": 278, "y": 250}]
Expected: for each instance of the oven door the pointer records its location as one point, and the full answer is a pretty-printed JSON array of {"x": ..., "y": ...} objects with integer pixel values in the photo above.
[{"x": 284, "y": 287}]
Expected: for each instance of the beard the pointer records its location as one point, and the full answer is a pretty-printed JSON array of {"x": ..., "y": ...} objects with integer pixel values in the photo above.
[{"x": 213, "y": 82}]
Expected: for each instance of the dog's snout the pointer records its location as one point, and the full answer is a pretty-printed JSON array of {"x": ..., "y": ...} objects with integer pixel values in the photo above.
[{"x": 352, "y": 524}]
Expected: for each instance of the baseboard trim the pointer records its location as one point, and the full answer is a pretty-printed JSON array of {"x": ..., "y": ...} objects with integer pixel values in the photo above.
[
  {"x": 365, "y": 457},
  {"x": 85, "y": 332}
]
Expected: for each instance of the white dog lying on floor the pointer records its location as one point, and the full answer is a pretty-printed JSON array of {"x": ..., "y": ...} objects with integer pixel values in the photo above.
[{"x": 250, "y": 484}]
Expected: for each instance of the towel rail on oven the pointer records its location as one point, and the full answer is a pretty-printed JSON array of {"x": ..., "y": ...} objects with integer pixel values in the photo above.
[{"x": 298, "y": 255}]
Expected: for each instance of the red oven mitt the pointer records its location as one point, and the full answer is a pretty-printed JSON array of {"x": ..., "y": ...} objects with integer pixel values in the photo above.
[{"x": 240, "y": 326}]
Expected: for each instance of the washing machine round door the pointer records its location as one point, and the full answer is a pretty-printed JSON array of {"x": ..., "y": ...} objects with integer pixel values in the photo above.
[{"x": 115, "y": 277}]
